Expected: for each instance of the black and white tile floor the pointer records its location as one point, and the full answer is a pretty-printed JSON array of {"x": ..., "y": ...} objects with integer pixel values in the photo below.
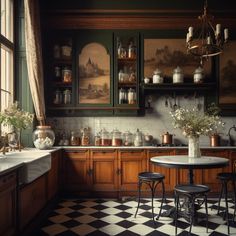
[{"x": 98, "y": 217}]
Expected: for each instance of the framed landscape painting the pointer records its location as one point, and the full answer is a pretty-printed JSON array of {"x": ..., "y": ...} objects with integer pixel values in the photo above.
[
  {"x": 167, "y": 54},
  {"x": 94, "y": 74},
  {"x": 227, "y": 75}
]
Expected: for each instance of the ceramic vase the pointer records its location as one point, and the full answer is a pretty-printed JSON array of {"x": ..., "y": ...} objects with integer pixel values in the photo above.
[{"x": 193, "y": 147}]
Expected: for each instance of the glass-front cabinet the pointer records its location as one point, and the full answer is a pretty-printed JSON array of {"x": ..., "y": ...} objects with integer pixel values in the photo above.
[
  {"x": 126, "y": 76},
  {"x": 59, "y": 71}
]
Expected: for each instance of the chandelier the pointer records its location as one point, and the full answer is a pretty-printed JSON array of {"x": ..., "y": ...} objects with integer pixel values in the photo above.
[{"x": 206, "y": 41}]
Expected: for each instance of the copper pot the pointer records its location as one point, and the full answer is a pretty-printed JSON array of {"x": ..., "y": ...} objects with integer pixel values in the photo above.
[
  {"x": 215, "y": 140},
  {"x": 166, "y": 138}
]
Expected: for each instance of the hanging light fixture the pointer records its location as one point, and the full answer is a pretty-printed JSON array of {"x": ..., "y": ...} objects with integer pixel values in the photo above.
[{"x": 209, "y": 41}]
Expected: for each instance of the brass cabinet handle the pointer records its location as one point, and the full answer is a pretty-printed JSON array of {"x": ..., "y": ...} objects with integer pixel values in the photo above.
[{"x": 118, "y": 172}]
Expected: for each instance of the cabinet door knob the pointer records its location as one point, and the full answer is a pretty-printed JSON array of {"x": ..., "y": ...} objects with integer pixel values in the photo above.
[{"x": 118, "y": 172}]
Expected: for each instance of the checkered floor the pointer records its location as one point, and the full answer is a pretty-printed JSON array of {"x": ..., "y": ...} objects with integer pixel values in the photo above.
[{"x": 100, "y": 217}]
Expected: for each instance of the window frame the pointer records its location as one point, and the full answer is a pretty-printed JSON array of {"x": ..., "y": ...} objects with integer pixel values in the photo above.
[{"x": 9, "y": 45}]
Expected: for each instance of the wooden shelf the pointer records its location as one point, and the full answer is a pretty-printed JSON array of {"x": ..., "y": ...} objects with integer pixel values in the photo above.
[
  {"x": 127, "y": 85},
  {"x": 118, "y": 107},
  {"x": 61, "y": 84},
  {"x": 179, "y": 87}
]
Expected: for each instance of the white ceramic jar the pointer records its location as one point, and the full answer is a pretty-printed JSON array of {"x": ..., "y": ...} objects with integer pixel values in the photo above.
[
  {"x": 178, "y": 76},
  {"x": 157, "y": 78},
  {"x": 198, "y": 75}
]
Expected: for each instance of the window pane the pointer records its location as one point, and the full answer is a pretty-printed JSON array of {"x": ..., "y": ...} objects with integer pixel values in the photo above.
[
  {"x": 7, "y": 19},
  {"x": 6, "y": 77}
]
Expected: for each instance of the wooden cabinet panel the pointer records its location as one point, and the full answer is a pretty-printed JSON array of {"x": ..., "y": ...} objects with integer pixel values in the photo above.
[
  {"x": 210, "y": 175},
  {"x": 32, "y": 200},
  {"x": 53, "y": 175},
  {"x": 104, "y": 170},
  {"x": 131, "y": 164},
  {"x": 76, "y": 170},
  {"x": 8, "y": 204},
  {"x": 170, "y": 174}
]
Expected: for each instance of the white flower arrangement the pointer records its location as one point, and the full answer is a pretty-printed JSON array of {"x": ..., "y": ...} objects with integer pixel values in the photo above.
[
  {"x": 14, "y": 116},
  {"x": 193, "y": 123}
]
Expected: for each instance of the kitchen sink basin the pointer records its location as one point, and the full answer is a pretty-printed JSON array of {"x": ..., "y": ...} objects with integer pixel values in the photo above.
[{"x": 35, "y": 164}]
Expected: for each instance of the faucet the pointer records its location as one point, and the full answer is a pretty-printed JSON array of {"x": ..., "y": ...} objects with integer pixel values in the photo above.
[
  {"x": 4, "y": 140},
  {"x": 231, "y": 141}
]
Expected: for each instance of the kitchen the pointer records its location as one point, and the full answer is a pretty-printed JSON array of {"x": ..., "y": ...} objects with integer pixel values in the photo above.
[{"x": 131, "y": 105}]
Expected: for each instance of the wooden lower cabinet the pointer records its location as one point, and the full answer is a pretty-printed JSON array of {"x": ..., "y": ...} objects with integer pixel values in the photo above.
[
  {"x": 8, "y": 185},
  {"x": 131, "y": 163},
  {"x": 104, "y": 170},
  {"x": 76, "y": 171},
  {"x": 170, "y": 174},
  {"x": 32, "y": 198},
  {"x": 53, "y": 175},
  {"x": 210, "y": 175}
]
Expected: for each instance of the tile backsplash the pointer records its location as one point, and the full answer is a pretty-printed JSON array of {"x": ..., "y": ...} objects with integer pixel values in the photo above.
[{"x": 157, "y": 121}]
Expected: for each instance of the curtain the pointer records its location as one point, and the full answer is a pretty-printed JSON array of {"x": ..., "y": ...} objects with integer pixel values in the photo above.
[{"x": 34, "y": 57}]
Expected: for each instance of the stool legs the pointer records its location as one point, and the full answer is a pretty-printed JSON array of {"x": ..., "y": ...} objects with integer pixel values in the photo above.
[
  {"x": 152, "y": 185},
  {"x": 162, "y": 199},
  {"x": 139, "y": 196},
  {"x": 205, "y": 199}
]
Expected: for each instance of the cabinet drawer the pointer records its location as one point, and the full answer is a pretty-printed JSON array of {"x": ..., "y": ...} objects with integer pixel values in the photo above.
[{"x": 7, "y": 180}]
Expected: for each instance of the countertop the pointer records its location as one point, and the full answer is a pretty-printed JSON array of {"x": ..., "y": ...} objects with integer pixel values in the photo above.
[
  {"x": 7, "y": 163},
  {"x": 141, "y": 147}
]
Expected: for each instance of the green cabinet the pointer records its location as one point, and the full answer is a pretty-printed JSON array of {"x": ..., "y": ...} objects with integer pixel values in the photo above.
[{"x": 87, "y": 73}]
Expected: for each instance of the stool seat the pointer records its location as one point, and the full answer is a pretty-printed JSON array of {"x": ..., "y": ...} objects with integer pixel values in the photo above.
[
  {"x": 152, "y": 176},
  {"x": 192, "y": 189},
  {"x": 226, "y": 176}
]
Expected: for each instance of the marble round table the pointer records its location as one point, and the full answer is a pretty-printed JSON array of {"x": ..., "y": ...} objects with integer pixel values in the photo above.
[{"x": 184, "y": 162}]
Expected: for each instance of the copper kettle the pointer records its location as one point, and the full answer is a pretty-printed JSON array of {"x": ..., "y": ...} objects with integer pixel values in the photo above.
[{"x": 166, "y": 138}]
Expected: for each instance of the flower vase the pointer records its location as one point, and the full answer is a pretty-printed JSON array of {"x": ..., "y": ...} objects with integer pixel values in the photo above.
[{"x": 193, "y": 147}]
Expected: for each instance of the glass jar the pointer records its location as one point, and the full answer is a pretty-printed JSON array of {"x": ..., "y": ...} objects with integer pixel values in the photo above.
[
  {"x": 74, "y": 139},
  {"x": 116, "y": 138},
  {"x": 105, "y": 138},
  {"x": 67, "y": 96},
  {"x": 43, "y": 137},
  {"x": 57, "y": 97},
  {"x": 198, "y": 75},
  {"x": 66, "y": 75},
  {"x": 132, "y": 50},
  {"x": 131, "y": 96},
  {"x": 85, "y": 139},
  {"x": 128, "y": 139},
  {"x": 138, "y": 139},
  {"x": 157, "y": 77},
  {"x": 97, "y": 140},
  {"x": 178, "y": 76}
]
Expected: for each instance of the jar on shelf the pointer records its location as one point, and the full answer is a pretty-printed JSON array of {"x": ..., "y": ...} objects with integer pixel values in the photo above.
[
  {"x": 43, "y": 137},
  {"x": 57, "y": 97},
  {"x": 66, "y": 75},
  {"x": 67, "y": 96},
  {"x": 116, "y": 138},
  {"x": 131, "y": 96},
  {"x": 122, "y": 96},
  {"x": 132, "y": 50},
  {"x": 138, "y": 138},
  {"x": 121, "y": 52},
  {"x": 66, "y": 51},
  {"x": 121, "y": 76},
  {"x": 56, "y": 51},
  {"x": 157, "y": 77},
  {"x": 57, "y": 71},
  {"x": 128, "y": 139},
  {"x": 85, "y": 138},
  {"x": 198, "y": 75},
  {"x": 178, "y": 76},
  {"x": 105, "y": 138}
]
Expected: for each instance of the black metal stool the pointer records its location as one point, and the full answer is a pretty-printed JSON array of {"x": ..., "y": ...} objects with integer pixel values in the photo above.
[
  {"x": 152, "y": 179},
  {"x": 225, "y": 178},
  {"x": 191, "y": 192}
]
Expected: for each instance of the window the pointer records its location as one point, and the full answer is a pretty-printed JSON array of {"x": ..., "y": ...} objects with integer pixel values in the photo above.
[{"x": 7, "y": 51}]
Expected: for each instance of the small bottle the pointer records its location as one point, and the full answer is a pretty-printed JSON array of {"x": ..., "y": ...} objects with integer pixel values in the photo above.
[
  {"x": 67, "y": 96},
  {"x": 132, "y": 50},
  {"x": 56, "y": 51},
  {"x": 73, "y": 139},
  {"x": 57, "y": 97}
]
